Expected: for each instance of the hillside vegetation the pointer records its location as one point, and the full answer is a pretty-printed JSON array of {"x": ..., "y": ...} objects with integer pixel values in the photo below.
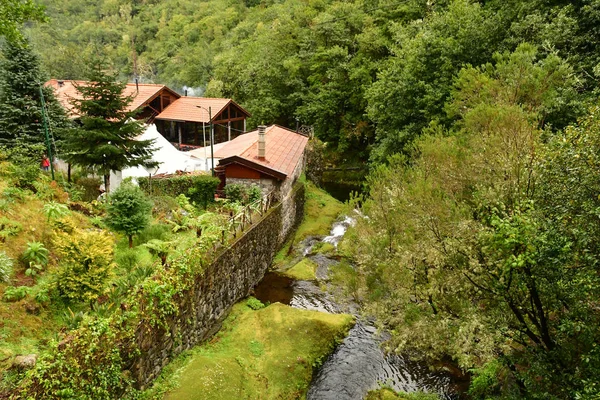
[{"x": 367, "y": 74}]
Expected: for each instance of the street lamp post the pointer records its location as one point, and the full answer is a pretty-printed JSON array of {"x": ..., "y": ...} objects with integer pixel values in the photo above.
[{"x": 212, "y": 139}]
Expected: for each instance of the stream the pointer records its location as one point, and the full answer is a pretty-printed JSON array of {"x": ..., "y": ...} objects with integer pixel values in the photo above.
[{"x": 358, "y": 364}]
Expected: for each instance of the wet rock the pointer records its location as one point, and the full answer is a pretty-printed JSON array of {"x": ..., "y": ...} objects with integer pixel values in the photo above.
[{"x": 24, "y": 362}]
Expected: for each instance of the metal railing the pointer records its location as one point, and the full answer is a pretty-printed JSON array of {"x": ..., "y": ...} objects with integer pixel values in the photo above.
[{"x": 239, "y": 222}]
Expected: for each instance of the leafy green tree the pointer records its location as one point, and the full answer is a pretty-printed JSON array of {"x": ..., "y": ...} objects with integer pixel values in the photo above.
[
  {"x": 128, "y": 211},
  {"x": 462, "y": 255},
  {"x": 106, "y": 140},
  {"x": 414, "y": 84},
  {"x": 21, "y": 115},
  {"x": 13, "y": 13}
]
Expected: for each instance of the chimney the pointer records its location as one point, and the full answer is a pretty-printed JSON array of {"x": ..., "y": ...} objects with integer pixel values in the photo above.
[
  {"x": 185, "y": 92},
  {"x": 60, "y": 83},
  {"x": 261, "y": 142},
  {"x": 137, "y": 85}
]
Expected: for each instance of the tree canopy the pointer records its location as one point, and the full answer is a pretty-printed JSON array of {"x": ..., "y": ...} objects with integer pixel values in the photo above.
[{"x": 106, "y": 140}]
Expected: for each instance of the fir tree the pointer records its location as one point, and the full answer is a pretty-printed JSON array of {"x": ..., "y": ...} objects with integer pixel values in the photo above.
[
  {"x": 105, "y": 141},
  {"x": 21, "y": 118},
  {"x": 128, "y": 211}
]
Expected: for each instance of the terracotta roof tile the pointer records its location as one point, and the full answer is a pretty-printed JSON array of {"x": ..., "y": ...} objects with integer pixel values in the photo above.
[
  {"x": 66, "y": 90},
  {"x": 187, "y": 109},
  {"x": 283, "y": 148}
]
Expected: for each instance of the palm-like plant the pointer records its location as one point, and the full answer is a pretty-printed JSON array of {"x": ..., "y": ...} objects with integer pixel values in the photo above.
[{"x": 36, "y": 253}]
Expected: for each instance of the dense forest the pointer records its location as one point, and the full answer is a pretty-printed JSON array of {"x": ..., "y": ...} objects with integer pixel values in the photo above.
[
  {"x": 479, "y": 126},
  {"x": 369, "y": 75}
]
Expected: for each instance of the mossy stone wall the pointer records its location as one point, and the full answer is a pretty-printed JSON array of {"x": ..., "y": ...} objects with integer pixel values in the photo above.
[{"x": 228, "y": 279}]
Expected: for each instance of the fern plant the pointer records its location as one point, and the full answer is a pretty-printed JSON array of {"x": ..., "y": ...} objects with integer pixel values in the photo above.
[
  {"x": 54, "y": 210},
  {"x": 6, "y": 267}
]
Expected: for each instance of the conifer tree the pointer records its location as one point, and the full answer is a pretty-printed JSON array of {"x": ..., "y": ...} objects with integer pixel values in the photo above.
[
  {"x": 105, "y": 141},
  {"x": 21, "y": 120}
]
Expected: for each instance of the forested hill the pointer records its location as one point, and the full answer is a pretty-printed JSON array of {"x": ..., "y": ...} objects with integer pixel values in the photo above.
[{"x": 363, "y": 72}]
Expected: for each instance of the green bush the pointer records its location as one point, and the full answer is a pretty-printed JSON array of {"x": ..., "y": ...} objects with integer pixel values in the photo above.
[
  {"x": 163, "y": 205},
  {"x": 35, "y": 253},
  {"x": 8, "y": 228},
  {"x": 90, "y": 188},
  {"x": 86, "y": 264},
  {"x": 23, "y": 176},
  {"x": 128, "y": 211},
  {"x": 254, "y": 303},
  {"x": 199, "y": 188},
  {"x": 242, "y": 194},
  {"x": 12, "y": 193},
  {"x": 17, "y": 293},
  {"x": 6, "y": 267},
  {"x": 153, "y": 231},
  {"x": 128, "y": 258},
  {"x": 235, "y": 192}
]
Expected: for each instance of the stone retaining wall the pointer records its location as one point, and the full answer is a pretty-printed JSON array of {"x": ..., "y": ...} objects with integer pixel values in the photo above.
[{"x": 228, "y": 279}]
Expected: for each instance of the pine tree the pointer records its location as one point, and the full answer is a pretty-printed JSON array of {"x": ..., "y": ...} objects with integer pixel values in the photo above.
[
  {"x": 105, "y": 141},
  {"x": 21, "y": 121}
]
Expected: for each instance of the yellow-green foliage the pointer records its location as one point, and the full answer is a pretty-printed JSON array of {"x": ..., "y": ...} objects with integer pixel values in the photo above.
[
  {"x": 389, "y": 394},
  {"x": 86, "y": 263},
  {"x": 304, "y": 270},
  {"x": 320, "y": 212},
  {"x": 265, "y": 354}
]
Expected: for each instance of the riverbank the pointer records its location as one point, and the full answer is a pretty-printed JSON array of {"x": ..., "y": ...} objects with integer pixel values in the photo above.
[{"x": 267, "y": 353}]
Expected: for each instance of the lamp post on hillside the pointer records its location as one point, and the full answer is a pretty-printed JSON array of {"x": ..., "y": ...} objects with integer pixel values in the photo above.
[{"x": 212, "y": 139}]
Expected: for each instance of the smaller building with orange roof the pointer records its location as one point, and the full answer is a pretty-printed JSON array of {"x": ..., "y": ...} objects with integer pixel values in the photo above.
[{"x": 270, "y": 157}]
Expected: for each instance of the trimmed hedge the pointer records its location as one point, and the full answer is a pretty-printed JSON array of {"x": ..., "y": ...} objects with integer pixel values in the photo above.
[{"x": 199, "y": 188}]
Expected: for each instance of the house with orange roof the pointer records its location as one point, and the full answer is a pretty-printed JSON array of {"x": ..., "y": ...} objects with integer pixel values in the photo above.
[
  {"x": 148, "y": 98},
  {"x": 184, "y": 121},
  {"x": 188, "y": 120},
  {"x": 270, "y": 157}
]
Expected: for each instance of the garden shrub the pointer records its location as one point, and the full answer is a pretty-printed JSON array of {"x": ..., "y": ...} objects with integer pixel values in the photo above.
[
  {"x": 88, "y": 364},
  {"x": 6, "y": 267},
  {"x": 163, "y": 205},
  {"x": 90, "y": 188},
  {"x": 12, "y": 193},
  {"x": 128, "y": 210},
  {"x": 153, "y": 231},
  {"x": 15, "y": 293},
  {"x": 199, "y": 188},
  {"x": 86, "y": 264},
  {"x": 54, "y": 210},
  {"x": 237, "y": 192},
  {"x": 23, "y": 176},
  {"x": 8, "y": 228},
  {"x": 35, "y": 253},
  {"x": 128, "y": 258},
  {"x": 254, "y": 303}
]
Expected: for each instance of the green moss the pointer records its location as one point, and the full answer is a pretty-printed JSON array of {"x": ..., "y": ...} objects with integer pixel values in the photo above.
[
  {"x": 265, "y": 354},
  {"x": 389, "y": 394},
  {"x": 304, "y": 270},
  {"x": 320, "y": 212}
]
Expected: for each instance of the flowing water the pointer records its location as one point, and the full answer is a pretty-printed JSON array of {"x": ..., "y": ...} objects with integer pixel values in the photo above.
[{"x": 358, "y": 364}]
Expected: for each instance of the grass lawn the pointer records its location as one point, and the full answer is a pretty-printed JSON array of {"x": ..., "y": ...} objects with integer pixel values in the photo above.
[{"x": 264, "y": 354}]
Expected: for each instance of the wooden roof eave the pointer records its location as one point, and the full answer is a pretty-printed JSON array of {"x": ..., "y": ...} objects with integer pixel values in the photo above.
[
  {"x": 248, "y": 115},
  {"x": 253, "y": 165}
]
